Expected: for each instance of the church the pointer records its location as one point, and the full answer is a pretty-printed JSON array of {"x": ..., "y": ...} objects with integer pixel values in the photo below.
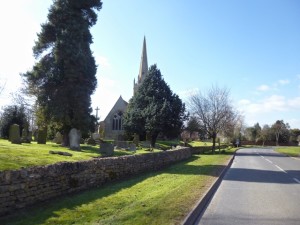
[{"x": 111, "y": 127}]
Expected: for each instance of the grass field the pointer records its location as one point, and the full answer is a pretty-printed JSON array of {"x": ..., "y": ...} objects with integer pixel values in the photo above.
[
  {"x": 291, "y": 151},
  {"x": 163, "y": 197},
  {"x": 13, "y": 156}
]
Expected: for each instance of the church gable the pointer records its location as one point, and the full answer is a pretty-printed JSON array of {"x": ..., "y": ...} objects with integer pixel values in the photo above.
[{"x": 112, "y": 125}]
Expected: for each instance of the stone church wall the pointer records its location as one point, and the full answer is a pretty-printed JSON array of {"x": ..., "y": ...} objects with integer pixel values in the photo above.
[{"x": 24, "y": 187}]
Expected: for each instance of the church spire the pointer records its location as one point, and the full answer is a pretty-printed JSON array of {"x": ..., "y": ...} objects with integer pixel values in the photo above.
[{"x": 144, "y": 63}]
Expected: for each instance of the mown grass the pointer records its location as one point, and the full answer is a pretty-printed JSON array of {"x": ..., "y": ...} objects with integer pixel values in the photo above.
[
  {"x": 291, "y": 151},
  {"x": 164, "y": 197},
  {"x": 199, "y": 143},
  {"x": 13, "y": 156}
]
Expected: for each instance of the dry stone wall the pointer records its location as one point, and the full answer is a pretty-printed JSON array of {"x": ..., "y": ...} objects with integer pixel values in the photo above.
[{"x": 24, "y": 187}]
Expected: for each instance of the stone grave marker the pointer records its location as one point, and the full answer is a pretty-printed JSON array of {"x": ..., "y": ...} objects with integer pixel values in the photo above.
[
  {"x": 42, "y": 135},
  {"x": 75, "y": 138},
  {"x": 107, "y": 149},
  {"x": 132, "y": 147},
  {"x": 14, "y": 134},
  {"x": 58, "y": 138}
]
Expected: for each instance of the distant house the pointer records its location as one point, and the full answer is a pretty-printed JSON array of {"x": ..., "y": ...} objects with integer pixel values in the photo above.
[{"x": 112, "y": 126}]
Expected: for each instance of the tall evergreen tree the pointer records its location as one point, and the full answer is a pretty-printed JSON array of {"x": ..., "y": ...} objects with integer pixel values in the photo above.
[
  {"x": 64, "y": 78},
  {"x": 154, "y": 109}
]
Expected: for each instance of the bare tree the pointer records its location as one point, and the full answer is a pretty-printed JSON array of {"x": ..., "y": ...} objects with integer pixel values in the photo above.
[
  {"x": 265, "y": 134},
  {"x": 213, "y": 111},
  {"x": 2, "y": 86},
  {"x": 279, "y": 127}
]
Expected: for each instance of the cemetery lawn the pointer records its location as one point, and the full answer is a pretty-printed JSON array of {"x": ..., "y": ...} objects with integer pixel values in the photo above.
[
  {"x": 14, "y": 156},
  {"x": 163, "y": 197},
  {"x": 291, "y": 151},
  {"x": 200, "y": 143}
]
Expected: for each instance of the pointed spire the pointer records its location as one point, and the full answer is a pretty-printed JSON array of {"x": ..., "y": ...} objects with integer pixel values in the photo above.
[{"x": 144, "y": 63}]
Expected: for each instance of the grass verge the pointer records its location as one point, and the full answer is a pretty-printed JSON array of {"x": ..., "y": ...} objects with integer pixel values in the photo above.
[
  {"x": 291, "y": 151},
  {"x": 163, "y": 197}
]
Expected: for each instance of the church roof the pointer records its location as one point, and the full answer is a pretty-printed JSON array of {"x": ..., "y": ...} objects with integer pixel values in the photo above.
[{"x": 120, "y": 104}]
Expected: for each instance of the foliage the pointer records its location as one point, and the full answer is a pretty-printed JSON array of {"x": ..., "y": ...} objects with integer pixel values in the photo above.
[
  {"x": 295, "y": 135},
  {"x": 163, "y": 197},
  {"x": 253, "y": 133},
  {"x": 265, "y": 133},
  {"x": 63, "y": 78},
  {"x": 154, "y": 109},
  {"x": 194, "y": 126},
  {"x": 281, "y": 131},
  {"x": 13, "y": 115},
  {"x": 213, "y": 111}
]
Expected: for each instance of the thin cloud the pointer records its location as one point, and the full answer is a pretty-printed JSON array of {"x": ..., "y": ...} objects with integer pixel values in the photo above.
[
  {"x": 263, "y": 87},
  {"x": 188, "y": 93},
  {"x": 283, "y": 82}
]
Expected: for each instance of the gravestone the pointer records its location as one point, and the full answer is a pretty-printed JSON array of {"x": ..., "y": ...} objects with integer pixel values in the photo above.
[
  {"x": 91, "y": 141},
  {"x": 132, "y": 147},
  {"x": 58, "y": 138},
  {"x": 145, "y": 144},
  {"x": 96, "y": 136},
  {"x": 106, "y": 149},
  {"x": 14, "y": 134},
  {"x": 136, "y": 139},
  {"x": 121, "y": 144},
  {"x": 25, "y": 138},
  {"x": 75, "y": 138},
  {"x": 42, "y": 135}
]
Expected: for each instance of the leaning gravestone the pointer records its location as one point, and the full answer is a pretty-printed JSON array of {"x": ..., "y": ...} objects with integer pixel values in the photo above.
[
  {"x": 75, "y": 138},
  {"x": 107, "y": 149},
  {"x": 42, "y": 136},
  {"x": 14, "y": 134}
]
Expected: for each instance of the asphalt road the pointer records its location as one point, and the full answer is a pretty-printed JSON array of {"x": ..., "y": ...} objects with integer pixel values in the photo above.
[{"x": 261, "y": 187}]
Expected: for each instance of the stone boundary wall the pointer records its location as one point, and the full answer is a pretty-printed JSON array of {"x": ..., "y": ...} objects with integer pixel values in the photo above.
[{"x": 24, "y": 187}]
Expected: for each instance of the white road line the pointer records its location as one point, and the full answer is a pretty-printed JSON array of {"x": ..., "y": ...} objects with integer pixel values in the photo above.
[
  {"x": 295, "y": 158},
  {"x": 298, "y": 181},
  {"x": 269, "y": 161},
  {"x": 281, "y": 169}
]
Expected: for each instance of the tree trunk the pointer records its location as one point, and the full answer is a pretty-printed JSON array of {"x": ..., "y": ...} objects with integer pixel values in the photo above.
[
  {"x": 65, "y": 140},
  {"x": 277, "y": 139},
  {"x": 214, "y": 143},
  {"x": 153, "y": 139}
]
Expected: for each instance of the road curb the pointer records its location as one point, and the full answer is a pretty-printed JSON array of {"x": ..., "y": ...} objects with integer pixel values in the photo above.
[{"x": 202, "y": 203}]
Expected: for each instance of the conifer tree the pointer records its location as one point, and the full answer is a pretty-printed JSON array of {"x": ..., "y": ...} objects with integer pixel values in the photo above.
[
  {"x": 154, "y": 109},
  {"x": 63, "y": 79}
]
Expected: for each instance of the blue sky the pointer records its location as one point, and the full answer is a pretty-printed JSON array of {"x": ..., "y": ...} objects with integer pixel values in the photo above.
[{"x": 250, "y": 47}]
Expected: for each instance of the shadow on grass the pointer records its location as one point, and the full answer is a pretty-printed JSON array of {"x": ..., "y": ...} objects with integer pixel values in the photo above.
[{"x": 41, "y": 212}]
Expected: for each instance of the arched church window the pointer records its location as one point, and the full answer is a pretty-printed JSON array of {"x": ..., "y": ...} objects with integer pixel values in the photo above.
[{"x": 117, "y": 121}]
